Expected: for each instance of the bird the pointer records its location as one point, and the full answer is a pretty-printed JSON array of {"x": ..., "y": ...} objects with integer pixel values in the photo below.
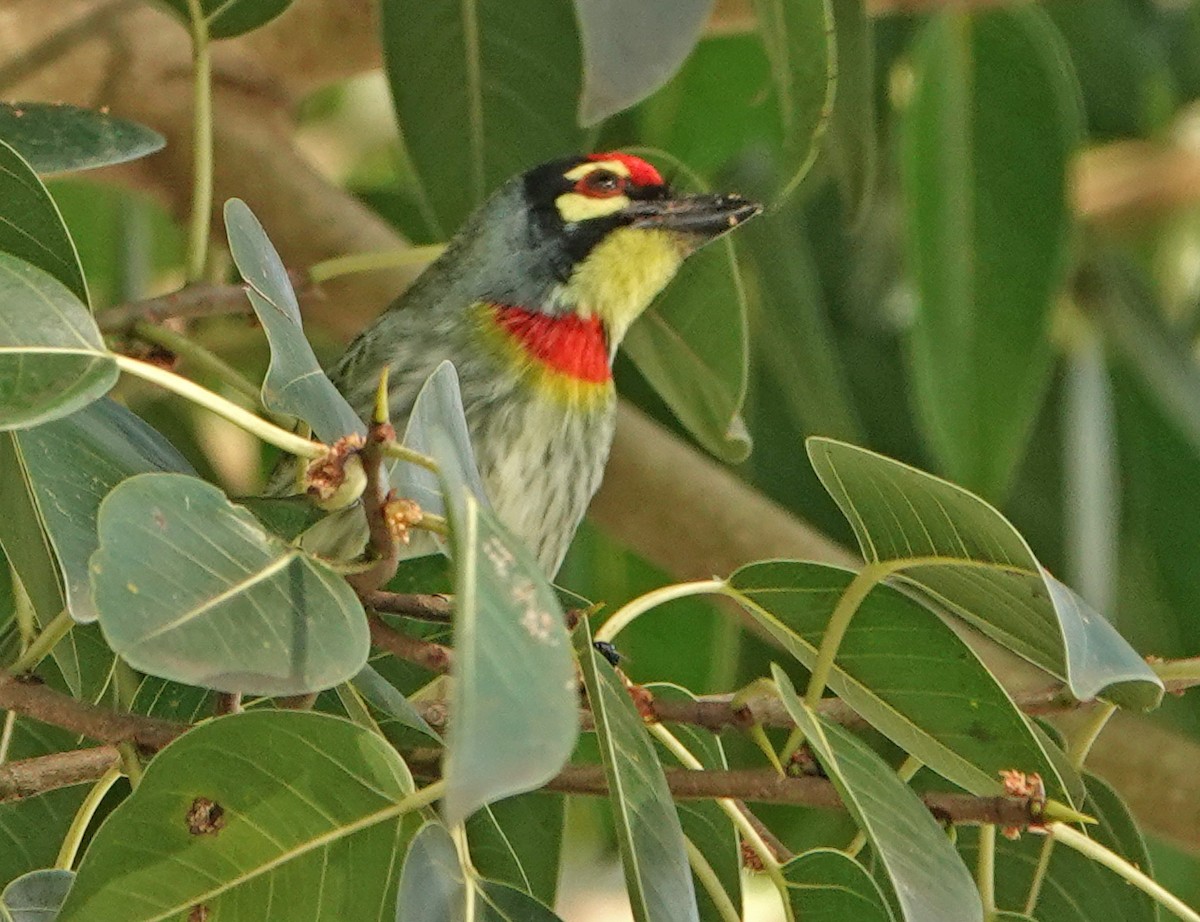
[{"x": 530, "y": 301}]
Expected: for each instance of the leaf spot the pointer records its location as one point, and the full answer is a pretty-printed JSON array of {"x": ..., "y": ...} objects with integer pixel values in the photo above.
[{"x": 205, "y": 817}]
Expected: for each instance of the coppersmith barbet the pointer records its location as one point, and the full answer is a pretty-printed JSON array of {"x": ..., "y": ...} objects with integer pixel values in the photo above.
[{"x": 529, "y": 301}]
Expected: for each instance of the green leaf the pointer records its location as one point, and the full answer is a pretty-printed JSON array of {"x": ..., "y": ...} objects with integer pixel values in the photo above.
[
  {"x": 631, "y": 48},
  {"x": 988, "y": 228},
  {"x": 518, "y": 841},
  {"x": 157, "y": 697},
  {"x": 963, "y": 554},
  {"x": 904, "y": 671},
  {"x": 435, "y": 887},
  {"x": 36, "y": 896},
  {"x": 190, "y": 587},
  {"x": 930, "y": 882},
  {"x": 31, "y": 226},
  {"x": 229, "y": 18},
  {"x": 691, "y": 346},
  {"x": 649, "y": 835},
  {"x": 514, "y": 689},
  {"x": 52, "y": 357},
  {"x": 295, "y": 384},
  {"x": 798, "y": 38},
  {"x": 58, "y": 138},
  {"x": 851, "y": 143},
  {"x": 312, "y": 820},
  {"x": 387, "y": 699},
  {"x": 703, "y": 822},
  {"x": 825, "y": 885},
  {"x": 67, "y": 467},
  {"x": 1075, "y": 888},
  {"x": 483, "y": 90}
]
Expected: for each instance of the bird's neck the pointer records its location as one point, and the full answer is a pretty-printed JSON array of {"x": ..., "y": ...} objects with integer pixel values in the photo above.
[{"x": 565, "y": 353}]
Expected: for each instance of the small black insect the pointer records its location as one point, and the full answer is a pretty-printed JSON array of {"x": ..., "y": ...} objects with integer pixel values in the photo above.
[{"x": 608, "y": 651}]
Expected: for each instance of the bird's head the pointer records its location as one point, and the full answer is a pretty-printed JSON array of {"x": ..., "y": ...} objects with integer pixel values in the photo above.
[{"x": 610, "y": 233}]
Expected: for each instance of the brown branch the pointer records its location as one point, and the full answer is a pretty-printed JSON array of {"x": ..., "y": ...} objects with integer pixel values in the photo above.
[
  {"x": 190, "y": 303},
  {"x": 30, "y": 698},
  {"x": 28, "y": 777},
  {"x": 422, "y": 607},
  {"x": 382, "y": 542},
  {"x": 424, "y": 653}
]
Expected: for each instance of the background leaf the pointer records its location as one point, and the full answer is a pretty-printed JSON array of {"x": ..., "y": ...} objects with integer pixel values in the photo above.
[
  {"x": 189, "y": 587},
  {"x": 33, "y": 228},
  {"x": 691, "y": 346},
  {"x": 513, "y": 695},
  {"x": 295, "y": 384},
  {"x": 930, "y": 882},
  {"x": 988, "y": 230},
  {"x": 228, "y": 18},
  {"x": 900, "y": 513},
  {"x": 649, "y": 834},
  {"x": 631, "y": 48},
  {"x": 52, "y": 358},
  {"x": 56, "y": 138},
  {"x": 475, "y": 102}
]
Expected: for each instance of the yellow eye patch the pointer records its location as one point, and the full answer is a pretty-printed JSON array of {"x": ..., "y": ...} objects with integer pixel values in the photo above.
[{"x": 579, "y": 205}]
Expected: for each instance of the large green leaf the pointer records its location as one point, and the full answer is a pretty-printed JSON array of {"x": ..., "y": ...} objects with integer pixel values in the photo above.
[
  {"x": 295, "y": 384},
  {"x": 67, "y": 467},
  {"x": 988, "y": 230},
  {"x": 31, "y": 226},
  {"x": 514, "y": 689},
  {"x": 691, "y": 346},
  {"x": 435, "y": 887},
  {"x": 905, "y": 671},
  {"x": 271, "y": 815},
  {"x": 851, "y": 143},
  {"x": 483, "y": 89},
  {"x": 631, "y": 48},
  {"x": 52, "y": 357},
  {"x": 649, "y": 834},
  {"x": 36, "y": 896},
  {"x": 704, "y": 823},
  {"x": 961, "y": 552},
  {"x": 518, "y": 841},
  {"x": 1075, "y": 888},
  {"x": 227, "y": 18},
  {"x": 929, "y": 880},
  {"x": 825, "y": 885},
  {"x": 798, "y": 36},
  {"x": 190, "y": 587},
  {"x": 56, "y": 138},
  {"x": 391, "y": 704}
]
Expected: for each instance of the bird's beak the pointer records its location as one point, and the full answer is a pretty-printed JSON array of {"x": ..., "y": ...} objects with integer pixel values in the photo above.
[{"x": 705, "y": 216}]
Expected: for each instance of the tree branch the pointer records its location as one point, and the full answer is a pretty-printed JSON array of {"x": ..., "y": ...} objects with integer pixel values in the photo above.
[
  {"x": 424, "y": 653},
  {"x": 29, "y": 777},
  {"x": 420, "y": 606}
]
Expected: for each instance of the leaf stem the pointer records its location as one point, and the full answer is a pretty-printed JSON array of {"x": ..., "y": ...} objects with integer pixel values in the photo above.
[
  {"x": 1039, "y": 875},
  {"x": 435, "y": 523},
  {"x": 374, "y": 261},
  {"x": 1081, "y": 742},
  {"x": 839, "y": 622},
  {"x": 256, "y": 425},
  {"x": 985, "y": 869},
  {"x": 131, "y": 765},
  {"x": 404, "y": 453},
  {"x": 631, "y": 611},
  {"x": 83, "y": 818},
  {"x": 58, "y": 628},
  {"x": 202, "y": 144},
  {"x": 1089, "y": 848},
  {"x": 193, "y": 352},
  {"x": 710, "y": 882}
]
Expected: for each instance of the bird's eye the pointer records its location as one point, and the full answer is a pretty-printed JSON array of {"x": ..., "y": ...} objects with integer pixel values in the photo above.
[{"x": 600, "y": 184}]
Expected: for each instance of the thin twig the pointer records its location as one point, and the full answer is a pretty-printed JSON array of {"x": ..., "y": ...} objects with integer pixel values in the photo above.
[
  {"x": 187, "y": 304},
  {"x": 28, "y": 777},
  {"x": 424, "y": 653},
  {"x": 420, "y": 606}
]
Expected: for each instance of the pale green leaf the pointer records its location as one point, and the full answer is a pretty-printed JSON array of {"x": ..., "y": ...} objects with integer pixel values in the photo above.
[
  {"x": 929, "y": 880},
  {"x": 190, "y": 587},
  {"x": 52, "y": 358},
  {"x": 962, "y": 553},
  {"x": 57, "y": 138},
  {"x": 631, "y": 48},
  {"x": 36, "y": 896},
  {"x": 295, "y": 384},
  {"x": 825, "y": 885}
]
